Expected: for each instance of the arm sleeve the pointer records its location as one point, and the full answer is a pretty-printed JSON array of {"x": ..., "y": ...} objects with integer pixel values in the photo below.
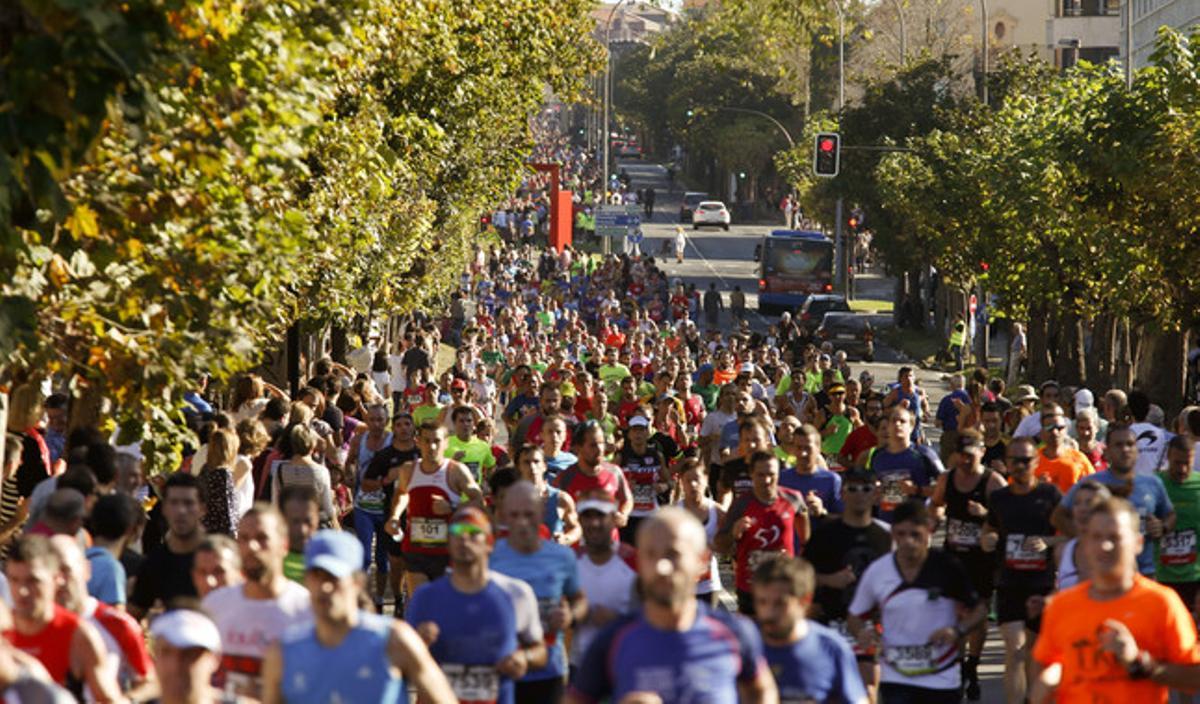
[{"x": 1179, "y": 634}]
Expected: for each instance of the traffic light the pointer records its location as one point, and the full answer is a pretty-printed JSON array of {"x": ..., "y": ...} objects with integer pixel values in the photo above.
[
  {"x": 827, "y": 150},
  {"x": 853, "y": 223}
]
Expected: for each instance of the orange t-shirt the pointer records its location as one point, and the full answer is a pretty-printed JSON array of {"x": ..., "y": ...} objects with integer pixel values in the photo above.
[
  {"x": 1154, "y": 615},
  {"x": 724, "y": 376},
  {"x": 1063, "y": 471}
]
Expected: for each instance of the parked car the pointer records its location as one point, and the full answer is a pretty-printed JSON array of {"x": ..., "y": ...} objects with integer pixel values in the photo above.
[
  {"x": 691, "y": 199},
  {"x": 817, "y": 305},
  {"x": 849, "y": 332},
  {"x": 710, "y": 212}
]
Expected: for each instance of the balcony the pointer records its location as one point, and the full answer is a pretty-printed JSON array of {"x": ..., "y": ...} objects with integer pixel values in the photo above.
[{"x": 1089, "y": 8}]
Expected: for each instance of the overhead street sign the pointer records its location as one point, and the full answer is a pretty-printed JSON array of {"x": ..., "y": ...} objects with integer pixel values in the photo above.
[{"x": 616, "y": 220}]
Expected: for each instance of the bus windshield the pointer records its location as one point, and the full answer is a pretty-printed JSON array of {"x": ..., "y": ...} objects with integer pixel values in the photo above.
[{"x": 808, "y": 260}]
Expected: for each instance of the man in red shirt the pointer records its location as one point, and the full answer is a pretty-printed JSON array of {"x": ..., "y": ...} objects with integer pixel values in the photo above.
[
  {"x": 63, "y": 642},
  {"x": 863, "y": 437},
  {"x": 766, "y": 521},
  {"x": 592, "y": 477}
]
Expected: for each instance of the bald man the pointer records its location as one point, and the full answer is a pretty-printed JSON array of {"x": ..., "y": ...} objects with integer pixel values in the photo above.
[{"x": 674, "y": 648}]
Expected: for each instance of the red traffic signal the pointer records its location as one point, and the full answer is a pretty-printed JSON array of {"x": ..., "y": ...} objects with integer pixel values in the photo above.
[
  {"x": 852, "y": 222},
  {"x": 827, "y": 154}
]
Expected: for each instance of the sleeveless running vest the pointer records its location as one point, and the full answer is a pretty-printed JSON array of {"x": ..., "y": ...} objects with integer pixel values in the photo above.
[
  {"x": 355, "y": 670},
  {"x": 369, "y": 501},
  {"x": 428, "y": 532},
  {"x": 963, "y": 529}
]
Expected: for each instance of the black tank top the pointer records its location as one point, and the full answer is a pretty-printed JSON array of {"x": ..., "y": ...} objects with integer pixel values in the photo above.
[{"x": 963, "y": 529}]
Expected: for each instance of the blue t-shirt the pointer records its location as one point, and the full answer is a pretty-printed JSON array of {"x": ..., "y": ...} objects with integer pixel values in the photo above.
[
  {"x": 558, "y": 463},
  {"x": 518, "y": 404},
  {"x": 553, "y": 573},
  {"x": 107, "y": 583},
  {"x": 917, "y": 463},
  {"x": 946, "y": 411},
  {"x": 356, "y": 670},
  {"x": 1148, "y": 496},
  {"x": 819, "y": 667},
  {"x": 475, "y": 631},
  {"x": 704, "y": 663},
  {"x": 827, "y": 484}
]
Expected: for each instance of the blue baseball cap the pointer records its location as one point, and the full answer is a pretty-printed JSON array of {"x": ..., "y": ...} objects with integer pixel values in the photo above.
[{"x": 334, "y": 551}]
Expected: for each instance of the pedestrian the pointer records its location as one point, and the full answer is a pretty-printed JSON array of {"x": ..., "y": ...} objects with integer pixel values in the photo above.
[
  {"x": 680, "y": 243},
  {"x": 788, "y": 207},
  {"x": 713, "y": 305},
  {"x": 650, "y": 197},
  {"x": 1016, "y": 355},
  {"x": 737, "y": 304}
]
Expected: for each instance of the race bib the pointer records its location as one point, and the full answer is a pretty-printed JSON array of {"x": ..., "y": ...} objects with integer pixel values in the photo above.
[
  {"x": 644, "y": 498},
  {"x": 371, "y": 501},
  {"x": 963, "y": 534},
  {"x": 891, "y": 495},
  {"x": 473, "y": 684},
  {"x": 1016, "y": 557},
  {"x": 1178, "y": 547},
  {"x": 707, "y": 574},
  {"x": 428, "y": 531},
  {"x": 910, "y": 660}
]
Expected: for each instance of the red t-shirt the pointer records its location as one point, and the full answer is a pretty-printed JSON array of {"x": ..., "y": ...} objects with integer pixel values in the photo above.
[
  {"x": 774, "y": 531},
  {"x": 51, "y": 645},
  {"x": 128, "y": 636},
  {"x": 858, "y": 441},
  {"x": 609, "y": 482}
]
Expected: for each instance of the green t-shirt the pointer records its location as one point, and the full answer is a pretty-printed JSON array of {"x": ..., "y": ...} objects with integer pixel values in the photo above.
[
  {"x": 476, "y": 454},
  {"x": 1175, "y": 552},
  {"x": 293, "y": 567},
  {"x": 832, "y": 444},
  {"x": 490, "y": 357},
  {"x": 425, "y": 412},
  {"x": 611, "y": 376},
  {"x": 708, "y": 394}
]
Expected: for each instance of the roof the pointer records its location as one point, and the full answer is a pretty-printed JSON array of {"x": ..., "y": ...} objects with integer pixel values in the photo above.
[{"x": 799, "y": 235}]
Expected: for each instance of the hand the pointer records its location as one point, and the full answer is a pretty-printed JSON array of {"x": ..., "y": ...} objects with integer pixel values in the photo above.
[
  {"x": 515, "y": 665},
  {"x": 976, "y": 509},
  {"x": 559, "y": 619},
  {"x": 601, "y": 615},
  {"x": 908, "y": 488},
  {"x": 868, "y": 638},
  {"x": 842, "y": 578},
  {"x": 815, "y": 505},
  {"x": 988, "y": 541},
  {"x": 743, "y": 524},
  {"x": 441, "y": 507},
  {"x": 1116, "y": 639},
  {"x": 944, "y": 636},
  {"x": 458, "y": 456},
  {"x": 1035, "y": 543},
  {"x": 428, "y": 630},
  {"x": 1154, "y": 527},
  {"x": 392, "y": 526},
  {"x": 620, "y": 519}
]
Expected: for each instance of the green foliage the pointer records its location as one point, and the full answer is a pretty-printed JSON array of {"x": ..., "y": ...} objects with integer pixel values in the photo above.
[{"x": 253, "y": 165}]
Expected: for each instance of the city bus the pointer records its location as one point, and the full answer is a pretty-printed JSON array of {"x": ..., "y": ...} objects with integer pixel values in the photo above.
[{"x": 792, "y": 265}]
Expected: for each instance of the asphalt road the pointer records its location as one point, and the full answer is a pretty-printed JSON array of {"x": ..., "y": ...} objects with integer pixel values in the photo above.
[{"x": 727, "y": 258}]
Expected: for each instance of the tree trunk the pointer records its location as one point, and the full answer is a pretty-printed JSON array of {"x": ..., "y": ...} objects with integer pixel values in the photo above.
[
  {"x": 1100, "y": 359},
  {"x": 1038, "y": 364},
  {"x": 1162, "y": 369},
  {"x": 1123, "y": 376},
  {"x": 293, "y": 359},
  {"x": 339, "y": 344},
  {"x": 1069, "y": 367}
]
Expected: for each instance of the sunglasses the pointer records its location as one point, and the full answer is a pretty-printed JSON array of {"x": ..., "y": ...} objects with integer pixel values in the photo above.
[
  {"x": 1020, "y": 460},
  {"x": 460, "y": 530},
  {"x": 1061, "y": 426},
  {"x": 858, "y": 488}
]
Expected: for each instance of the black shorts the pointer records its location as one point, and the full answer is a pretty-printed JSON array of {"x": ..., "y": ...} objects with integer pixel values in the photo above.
[
  {"x": 1010, "y": 603},
  {"x": 893, "y": 693},
  {"x": 981, "y": 568},
  {"x": 432, "y": 566},
  {"x": 1187, "y": 593},
  {"x": 628, "y": 532}
]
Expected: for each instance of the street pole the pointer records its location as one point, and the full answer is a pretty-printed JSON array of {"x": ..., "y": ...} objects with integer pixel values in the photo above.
[
  {"x": 983, "y": 56},
  {"x": 1128, "y": 12},
  {"x": 903, "y": 31},
  {"x": 841, "y": 56},
  {"x": 839, "y": 250},
  {"x": 607, "y": 101}
]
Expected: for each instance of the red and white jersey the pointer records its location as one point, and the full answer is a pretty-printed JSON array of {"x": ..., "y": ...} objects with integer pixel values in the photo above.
[
  {"x": 428, "y": 532},
  {"x": 248, "y": 627},
  {"x": 127, "y": 659}
]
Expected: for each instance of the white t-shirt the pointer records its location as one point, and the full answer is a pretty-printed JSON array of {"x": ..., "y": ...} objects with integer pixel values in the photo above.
[
  {"x": 1030, "y": 426},
  {"x": 713, "y": 424},
  {"x": 1152, "y": 447},
  {"x": 610, "y": 585},
  {"x": 249, "y": 626},
  {"x": 911, "y": 612}
]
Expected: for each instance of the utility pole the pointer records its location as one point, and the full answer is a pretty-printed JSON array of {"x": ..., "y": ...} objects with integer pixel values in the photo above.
[
  {"x": 903, "y": 31},
  {"x": 607, "y": 102},
  {"x": 1127, "y": 10},
  {"x": 983, "y": 55}
]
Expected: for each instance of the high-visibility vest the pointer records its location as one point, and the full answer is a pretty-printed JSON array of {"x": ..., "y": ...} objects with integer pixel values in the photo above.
[{"x": 958, "y": 335}]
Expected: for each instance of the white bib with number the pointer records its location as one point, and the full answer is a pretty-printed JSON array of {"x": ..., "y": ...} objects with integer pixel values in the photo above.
[
  {"x": 910, "y": 660},
  {"x": 1017, "y": 557},
  {"x": 644, "y": 497},
  {"x": 477, "y": 684},
  {"x": 1178, "y": 547},
  {"x": 428, "y": 531},
  {"x": 963, "y": 534}
]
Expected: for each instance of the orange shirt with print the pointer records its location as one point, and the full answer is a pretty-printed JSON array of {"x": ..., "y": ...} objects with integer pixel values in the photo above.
[
  {"x": 724, "y": 376},
  {"x": 1154, "y": 615},
  {"x": 1063, "y": 471}
]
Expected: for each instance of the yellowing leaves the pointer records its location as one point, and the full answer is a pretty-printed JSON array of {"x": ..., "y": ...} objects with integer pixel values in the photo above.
[{"x": 82, "y": 223}]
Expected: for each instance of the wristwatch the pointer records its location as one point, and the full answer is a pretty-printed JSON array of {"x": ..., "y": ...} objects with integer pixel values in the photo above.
[{"x": 1142, "y": 667}]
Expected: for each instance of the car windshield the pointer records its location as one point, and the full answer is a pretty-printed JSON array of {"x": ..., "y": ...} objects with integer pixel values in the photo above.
[
  {"x": 844, "y": 321},
  {"x": 711, "y": 206},
  {"x": 693, "y": 198}
]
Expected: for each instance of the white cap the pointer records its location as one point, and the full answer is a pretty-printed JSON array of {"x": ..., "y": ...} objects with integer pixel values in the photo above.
[
  {"x": 185, "y": 628},
  {"x": 596, "y": 505},
  {"x": 747, "y": 368},
  {"x": 639, "y": 422},
  {"x": 1084, "y": 399}
]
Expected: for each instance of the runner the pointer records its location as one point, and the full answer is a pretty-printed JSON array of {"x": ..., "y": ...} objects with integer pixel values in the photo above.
[
  {"x": 346, "y": 654},
  {"x": 165, "y": 574},
  {"x": 554, "y": 435},
  {"x": 1118, "y": 637},
  {"x": 254, "y": 614},
  {"x": 429, "y": 488},
  {"x": 592, "y": 477},
  {"x": 820, "y": 487},
  {"x": 607, "y": 574},
  {"x": 1176, "y": 565},
  {"x": 67, "y": 645},
  {"x": 809, "y": 661},
  {"x": 303, "y": 518},
  {"x": 464, "y": 447},
  {"x": 766, "y": 521},
  {"x": 919, "y": 594},
  {"x": 216, "y": 564},
  {"x": 1144, "y": 491},
  {"x": 1058, "y": 462},
  {"x": 560, "y": 518},
  {"x": 550, "y": 570},
  {"x": 903, "y": 469},
  {"x": 646, "y": 473},
  {"x": 1019, "y": 527},
  {"x": 962, "y": 495},
  {"x": 673, "y": 649},
  {"x": 384, "y": 469},
  {"x": 693, "y": 481},
  {"x": 481, "y": 626},
  {"x": 1071, "y": 568},
  {"x": 840, "y": 551},
  {"x": 126, "y": 659},
  {"x": 753, "y": 436},
  {"x": 187, "y": 652}
]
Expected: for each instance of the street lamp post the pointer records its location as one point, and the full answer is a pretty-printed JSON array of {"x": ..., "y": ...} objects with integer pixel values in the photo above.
[
  {"x": 1127, "y": 10},
  {"x": 837, "y": 5},
  {"x": 607, "y": 100},
  {"x": 983, "y": 55},
  {"x": 903, "y": 31}
]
